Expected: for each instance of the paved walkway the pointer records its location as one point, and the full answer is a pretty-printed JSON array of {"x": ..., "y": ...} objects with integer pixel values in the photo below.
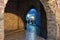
[{"x": 18, "y": 36}]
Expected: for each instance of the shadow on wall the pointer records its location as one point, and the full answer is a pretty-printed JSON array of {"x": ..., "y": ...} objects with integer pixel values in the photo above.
[{"x": 20, "y": 9}]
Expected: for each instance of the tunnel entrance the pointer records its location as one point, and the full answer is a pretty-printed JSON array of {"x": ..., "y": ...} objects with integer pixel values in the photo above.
[{"x": 20, "y": 8}]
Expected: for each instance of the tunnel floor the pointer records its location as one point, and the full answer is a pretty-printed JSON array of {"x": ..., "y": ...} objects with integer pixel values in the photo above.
[{"x": 19, "y": 35}]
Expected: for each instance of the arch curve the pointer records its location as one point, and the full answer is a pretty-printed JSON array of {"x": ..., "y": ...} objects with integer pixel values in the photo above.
[{"x": 51, "y": 19}]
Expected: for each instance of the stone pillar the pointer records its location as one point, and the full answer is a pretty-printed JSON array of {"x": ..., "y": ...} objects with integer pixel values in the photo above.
[
  {"x": 1, "y": 20},
  {"x": 50, "y": 6},
  {"x": 2, "y": 5},
  {"x": 58, "y": 19}
]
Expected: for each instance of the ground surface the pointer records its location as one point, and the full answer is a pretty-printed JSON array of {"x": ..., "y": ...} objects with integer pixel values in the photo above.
[{"x": 18, "y": 36}]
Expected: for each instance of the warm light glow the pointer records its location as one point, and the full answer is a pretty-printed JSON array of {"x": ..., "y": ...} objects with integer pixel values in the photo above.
[{"x": 12, "y": 22}]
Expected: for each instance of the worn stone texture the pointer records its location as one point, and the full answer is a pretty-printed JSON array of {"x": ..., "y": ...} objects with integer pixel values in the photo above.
[
  {"x": 1, "y": 20},
  {"x": 52, "y": 8},
  {"x": 58, "y": 22},
  {"x": 58, "y": 19},
  {"x": 53, "y": 28},
  {"x": 51, "y": 19},
  {"x": 12, "y": 22},
  {"x": 55, "y": 7}
]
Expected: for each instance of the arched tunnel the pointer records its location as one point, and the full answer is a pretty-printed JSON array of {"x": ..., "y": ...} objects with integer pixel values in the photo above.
[{"x": 15, "y": 17}]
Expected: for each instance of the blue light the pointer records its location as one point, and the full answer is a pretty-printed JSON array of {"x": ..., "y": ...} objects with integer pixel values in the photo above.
[
  {"x": 31, "y": 33},
  {"x": 33, "y": 24}
]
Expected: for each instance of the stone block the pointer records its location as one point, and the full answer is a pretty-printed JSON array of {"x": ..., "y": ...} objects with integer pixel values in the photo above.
[
  {"x": 1, "y": 13},
  {"x": 58, "y": 2},
  {"x": 1, "y": 30},
  {"x": 1, "y": 35},
  {"x": 2, "y": 27},
  {"x": 1, "y": 22},
  {"x": 1, "y": 2}
]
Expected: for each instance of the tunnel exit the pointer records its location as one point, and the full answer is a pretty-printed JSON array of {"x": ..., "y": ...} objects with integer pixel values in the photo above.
[{"x": 33, "y": 24}]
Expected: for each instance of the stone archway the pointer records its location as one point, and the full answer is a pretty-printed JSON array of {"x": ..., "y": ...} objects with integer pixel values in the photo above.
[
  {"x": 51, "y": 10},
  {"x": 53, "y": 28}
]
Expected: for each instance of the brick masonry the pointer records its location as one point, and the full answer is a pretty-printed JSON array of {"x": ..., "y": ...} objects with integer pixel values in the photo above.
[{"x": 52, "y": 8}]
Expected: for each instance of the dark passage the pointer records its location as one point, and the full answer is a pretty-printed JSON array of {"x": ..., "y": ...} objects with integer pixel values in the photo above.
[{"x": 21, "y": 7}]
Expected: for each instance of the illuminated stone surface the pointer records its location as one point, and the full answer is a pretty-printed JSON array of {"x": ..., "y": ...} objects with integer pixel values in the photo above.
[{"x": 11, "y": 22}]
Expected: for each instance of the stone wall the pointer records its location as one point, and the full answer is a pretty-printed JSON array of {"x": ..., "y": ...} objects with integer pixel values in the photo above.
[
  {"x": 12, "y": 22},
  {"x": 54, "y": 5},
  {"x": 11, "y": 19},
  {"x": 57, "y": 11},
  {"x": 52, "y": 8},
  {"x": 51, "y": 20},
  {"x": 1, "y": 20},
  {"x": 53, "y": 29}
]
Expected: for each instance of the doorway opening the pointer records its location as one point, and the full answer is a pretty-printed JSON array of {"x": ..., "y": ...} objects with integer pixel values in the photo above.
[
  {"x": 19, "y": 10},
  {"x": 33, "y": 24},
  {"x": 33, "y": 20},
  {"x": 40, "y": 21}
]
